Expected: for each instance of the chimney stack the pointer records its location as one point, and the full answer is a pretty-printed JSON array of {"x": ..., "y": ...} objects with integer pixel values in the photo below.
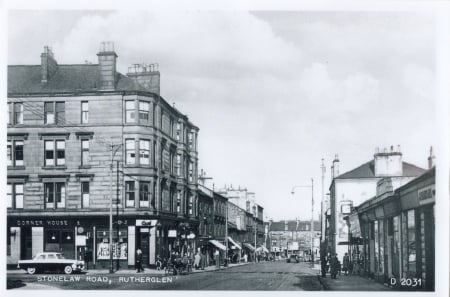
[
  {"x": 388, "y": 162},
  {"x": 335, "y": 167},
  {"x": 107, "y": 62},
  {"x": 431, "y": 161},
  {"x": 48, "y": 64},
  {"x": 146, "y": 75}
]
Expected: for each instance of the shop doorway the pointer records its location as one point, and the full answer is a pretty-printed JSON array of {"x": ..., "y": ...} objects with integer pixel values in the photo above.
[
  {"x": 26, "y": 247},
  {"x": 143, "y": 241}
]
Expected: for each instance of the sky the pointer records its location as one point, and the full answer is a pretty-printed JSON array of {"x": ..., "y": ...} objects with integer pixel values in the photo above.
[{"x": 272, "y": 92}]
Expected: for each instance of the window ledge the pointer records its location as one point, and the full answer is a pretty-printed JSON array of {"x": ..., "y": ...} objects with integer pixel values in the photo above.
[
  {"x": 16, "y": 167},
  {"x": 84, "y": 167},
  {"x": 54, "y": 167}
]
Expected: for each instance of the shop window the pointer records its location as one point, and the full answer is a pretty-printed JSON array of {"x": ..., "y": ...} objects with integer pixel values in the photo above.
[
  {"x": 144, "y": 111},
  {"x": 85, "y": 199},
  {"x": 85, "y": 155},
  {"x": 59, "y": 241},
  {"x": 130, "y": 193},
  {"x": 15, "y": 153},
  {"x": 130, "y": 152},
  {"x": 144, "y": 194},
  {"x": 144, "y": 152},
  {"x": 55, "y": 195},
  {"x": 411, "y": 225},
  {"x": 130, "y": 111},
  {"x": 119, "y": 247},
  {"x": 84, "y": 112},
  {"x": 55, "y": 152}
]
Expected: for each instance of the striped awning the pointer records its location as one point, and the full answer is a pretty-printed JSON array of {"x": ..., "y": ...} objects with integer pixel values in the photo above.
[
  {"x": 218, "y": 244},
  {"x": 262, "y": 248},
  {"x": 249, "y": 246},
  {"x": 234, "y": 243}
]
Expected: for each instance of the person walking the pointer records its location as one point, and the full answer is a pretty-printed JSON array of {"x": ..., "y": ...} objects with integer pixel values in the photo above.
[
  {"x": 139, "y": 260},
  {"x": 197, "y": 259},
  {"x": 346, "y": 264},
  {"x": 217, "y": 258},
  {"x": 335, "y": 266},
  {"x": 323, "y": 263}
]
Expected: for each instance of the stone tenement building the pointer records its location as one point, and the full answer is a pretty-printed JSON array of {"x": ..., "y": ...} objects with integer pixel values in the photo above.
[{"x": 82, "y": 135}]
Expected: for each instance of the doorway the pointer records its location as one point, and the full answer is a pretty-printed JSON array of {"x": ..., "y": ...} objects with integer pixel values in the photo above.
[
  {"x": 143, "y": 241},
  {"x": 26, "y": 247}
]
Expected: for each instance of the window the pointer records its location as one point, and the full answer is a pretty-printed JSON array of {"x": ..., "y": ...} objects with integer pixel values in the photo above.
[
  {"x": 191, "y": 201},
  {"x": 144, "y": 152},
  {"x": 144, "y": 111},
  {"x": 18, "y": 113},
  {"x": 84, "y": 194},
  {"x": 84, "y": 112},
  {"x": 129, "y": 188},
  {"x": 178, "y": 201},
  {"x": 55, "y": 195},
  {"x": 15, "y": 153},
  {"x": 130, "y": 112},
  {"x": 411, "y": 224},
  {"x": 55, "y": 152},
  {"x": 144, "y": 194},
  {"x": 54, "y": 112},
  {"x": 178, "y": 164},
  {"x": 191, "y": 171},
  {"x": 14, "y": 196},
  {"x": 178, "y": 135},
  {"x": 191, "y": 140},
  {"x": 85, "y": 157},
  {"x": 130, "y": 152}
]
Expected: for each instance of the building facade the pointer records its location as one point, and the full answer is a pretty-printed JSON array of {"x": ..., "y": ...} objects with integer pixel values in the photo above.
[
  {"x": 358, "y": 185},
  {"x": 84, "y": 138},
  {"x": 393, "y": 234},
  {"x": 293, "y": 236}
]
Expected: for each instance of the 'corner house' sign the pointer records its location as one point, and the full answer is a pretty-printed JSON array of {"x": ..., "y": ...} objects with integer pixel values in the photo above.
[{"x": 42, "y": 223}]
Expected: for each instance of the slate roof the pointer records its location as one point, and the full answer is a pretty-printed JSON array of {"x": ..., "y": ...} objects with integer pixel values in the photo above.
[
  {"x": 367, "y": 170},
  {"x": 292, "y": 226},
  {"x": 26, "y": 79}
]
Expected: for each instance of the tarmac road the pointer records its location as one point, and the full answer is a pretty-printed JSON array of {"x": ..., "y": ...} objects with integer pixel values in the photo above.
[{"x": 271, "y": 276}]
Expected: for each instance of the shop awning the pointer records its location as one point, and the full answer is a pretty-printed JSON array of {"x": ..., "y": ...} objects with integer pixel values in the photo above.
[
  {"x": 234, "y": 243},
  {"x": 218, "y": 244},
  {"x": 263, "y": 249},
  {"x": 249, "y": 246}
]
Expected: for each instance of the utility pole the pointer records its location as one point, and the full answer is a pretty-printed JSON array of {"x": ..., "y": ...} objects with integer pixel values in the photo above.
[
  {"x": 322, "y": 211},
  {"x": 117, "y": 212},
  {"x": 312, "y": 220},
  {"x": 111, "y": 268}
]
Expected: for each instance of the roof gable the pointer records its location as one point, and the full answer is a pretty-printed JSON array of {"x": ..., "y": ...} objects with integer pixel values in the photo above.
[{"x": 367, "y": 170}]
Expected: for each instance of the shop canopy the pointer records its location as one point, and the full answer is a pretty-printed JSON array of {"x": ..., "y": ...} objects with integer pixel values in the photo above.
[
  {"x": 234, "y": 243},
  {"x": 218, "y": 244},
  {"x": 249, "y": 246},
  {"x": 262, "y": 249}
]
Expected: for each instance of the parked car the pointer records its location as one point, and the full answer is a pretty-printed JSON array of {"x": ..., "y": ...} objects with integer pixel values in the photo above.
[
  {"x": 51, "y": 262},
  {"x": 292, "y": 258}
]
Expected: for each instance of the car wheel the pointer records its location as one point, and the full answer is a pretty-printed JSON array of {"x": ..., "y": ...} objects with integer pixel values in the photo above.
[
  {"x": 31, "y": 270},
  {"x": 68, "y": 269}
]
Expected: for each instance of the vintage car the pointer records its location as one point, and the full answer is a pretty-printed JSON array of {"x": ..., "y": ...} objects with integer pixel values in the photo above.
[
  {"x": 292, "y": 258},
  {"x": 51, "y": 262}
]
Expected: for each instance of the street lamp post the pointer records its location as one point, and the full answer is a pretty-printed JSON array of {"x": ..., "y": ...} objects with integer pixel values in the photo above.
[
  {"x": 113, "y": 154},
  {"x": 312, "y": 214}
]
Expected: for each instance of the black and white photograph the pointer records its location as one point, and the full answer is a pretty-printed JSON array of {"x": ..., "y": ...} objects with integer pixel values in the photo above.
[{"x": 237, "y": 148}]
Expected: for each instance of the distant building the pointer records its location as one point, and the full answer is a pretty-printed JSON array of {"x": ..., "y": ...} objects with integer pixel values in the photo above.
[
  {"x": 293, "y": 236},
  {"x": 360, "y": 184}
]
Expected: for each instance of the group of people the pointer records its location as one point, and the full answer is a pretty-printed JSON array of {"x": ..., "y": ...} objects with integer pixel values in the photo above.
[{"x": 330, "y": 263}]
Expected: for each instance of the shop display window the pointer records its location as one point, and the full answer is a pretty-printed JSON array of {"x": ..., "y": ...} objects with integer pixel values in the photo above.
[
  {"x": 411, "y": 243},
  {"x": 119, "y": 247}
]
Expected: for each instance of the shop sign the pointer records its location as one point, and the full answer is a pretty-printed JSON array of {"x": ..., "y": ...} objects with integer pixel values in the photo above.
[
  {"x": 43, "y": 223},
  {"x": 426, "y": 195},
  {"x": 172, "y": 233},
  {"x": 149, "y": 223},
  {"x": 80, "y": 240}
]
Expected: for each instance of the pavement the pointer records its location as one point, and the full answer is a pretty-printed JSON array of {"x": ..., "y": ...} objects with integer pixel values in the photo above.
[{"x": 351, "y": 283}]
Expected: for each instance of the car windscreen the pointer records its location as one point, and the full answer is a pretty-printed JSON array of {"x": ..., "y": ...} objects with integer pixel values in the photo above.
[{"x": 59, "y": 256}]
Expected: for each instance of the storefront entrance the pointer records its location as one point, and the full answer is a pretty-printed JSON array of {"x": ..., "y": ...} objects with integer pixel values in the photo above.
[
  {"x": 26, "y": 246},
  {"x": 143, "y": 242}
]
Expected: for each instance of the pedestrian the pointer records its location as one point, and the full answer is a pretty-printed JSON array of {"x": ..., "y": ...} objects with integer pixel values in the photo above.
[
  {"x": 158, "y": 263},
  {"x": 217, "y": 258},
  {"x": 346, "y": 264},
  {"x": 139, "y": 260},
  {"x": 202, "y": 261},
  {"x": 335, "y": 266},
  {"x": 323, "y": 263},
  {"x": 197, "y": 259}
]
